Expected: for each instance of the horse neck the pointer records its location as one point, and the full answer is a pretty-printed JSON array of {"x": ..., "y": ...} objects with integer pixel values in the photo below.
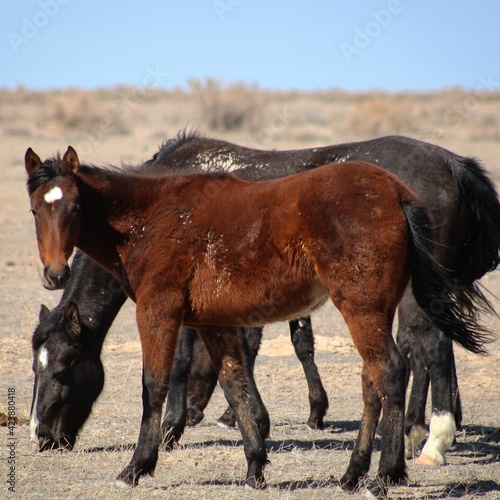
[
  {"x": 112, "y": 204},
  {"x": 97, "y": 294}
]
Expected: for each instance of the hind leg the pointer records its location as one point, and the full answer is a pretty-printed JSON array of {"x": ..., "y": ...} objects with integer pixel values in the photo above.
[
  {"x": 251, "y": 338},
  {"x": 359, "y": 463},
  {"x": 225, "y": 348},
  {"x": 442, "y": 428},
  {"x": 386, "y": 369},
  {"x": 201, "y": 383},
  {"x": 435, "y": 350},
  {"x": 415, "y": 426},
  {"x": 303, "y": 342},
  {"x": 174, "y": 421}
]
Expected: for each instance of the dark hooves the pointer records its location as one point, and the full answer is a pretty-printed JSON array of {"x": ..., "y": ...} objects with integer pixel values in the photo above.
[
  {"x": 194, "y": 417},
  {"x": 316, "y": 424},
  {"x": 227, "y": 420},
  {"x": 127, "y": 478},
  {"x": 254, "y": 483}
]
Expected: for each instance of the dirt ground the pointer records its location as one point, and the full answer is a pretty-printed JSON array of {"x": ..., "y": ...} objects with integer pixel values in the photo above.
[{"x": 210, "y": 462}]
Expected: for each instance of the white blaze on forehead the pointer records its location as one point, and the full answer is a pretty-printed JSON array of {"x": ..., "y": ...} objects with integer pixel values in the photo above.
[
  {"x": 53, "y": 195},
  {"x": 43, "y": 357}
]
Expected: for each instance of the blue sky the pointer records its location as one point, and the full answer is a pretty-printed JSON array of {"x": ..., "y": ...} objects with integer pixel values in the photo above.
[{"x": 391, "y": 45}]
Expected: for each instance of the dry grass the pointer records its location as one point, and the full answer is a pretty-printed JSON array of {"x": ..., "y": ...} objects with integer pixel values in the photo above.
[
  {"x": 210, "y": 463},
  {"x": 265, "y": 118}
]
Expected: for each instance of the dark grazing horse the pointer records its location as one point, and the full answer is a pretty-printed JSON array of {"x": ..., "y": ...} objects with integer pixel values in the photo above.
[
  {"x": 214, "y": 252},
  {"x": 452, "y": 188}
]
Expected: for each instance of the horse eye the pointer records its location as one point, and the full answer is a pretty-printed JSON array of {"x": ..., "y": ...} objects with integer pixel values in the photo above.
[
  {"x": 61, "y": 374},
  {"x": 75, "y": 208},
  {"x": 33, "y": 211}
]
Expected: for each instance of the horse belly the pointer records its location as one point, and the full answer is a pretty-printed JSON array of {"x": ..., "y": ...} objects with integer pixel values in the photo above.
[{"x": 257, "y": 305}]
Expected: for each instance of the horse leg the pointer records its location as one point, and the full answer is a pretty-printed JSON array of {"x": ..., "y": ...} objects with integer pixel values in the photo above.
[
  {"x": 158, "y": 341},
  {"x": 455, "y": 392},
  {"x": 438, "y": 355},
  {"x": 303, "y": 342},
  {"x": 415, "y": 426},
  {"x": 435, "y": 350},
  {"x": 252, "y": 338},
  {"x": 201, "y": 383},
  {"x": 174, "y": 421},
  {"x": 359, "y": 463},
  {"x": 225, "y": 348},
  {"x": 371, "y": 333}
]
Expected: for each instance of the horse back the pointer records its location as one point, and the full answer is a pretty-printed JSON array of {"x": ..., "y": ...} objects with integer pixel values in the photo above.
[{"x": 280, "y": 244}]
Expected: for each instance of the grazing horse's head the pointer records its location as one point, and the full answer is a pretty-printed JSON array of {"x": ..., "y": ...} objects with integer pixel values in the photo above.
[
  {"x": 69, "y": 377},
  {"x": 55, "y": 206}
]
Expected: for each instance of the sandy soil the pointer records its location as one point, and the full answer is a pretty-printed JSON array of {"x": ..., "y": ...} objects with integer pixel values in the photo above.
[{"x": 210, "y": 461}]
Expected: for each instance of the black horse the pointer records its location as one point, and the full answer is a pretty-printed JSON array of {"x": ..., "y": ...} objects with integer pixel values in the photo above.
[{"x": 465, "y": 213}]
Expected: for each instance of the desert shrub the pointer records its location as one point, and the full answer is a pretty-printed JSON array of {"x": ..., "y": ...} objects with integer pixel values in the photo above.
[
  {"x": 80, "y": 110},
  {"x": 227, "y": 107},
  {"x": 380, "y": 114}
]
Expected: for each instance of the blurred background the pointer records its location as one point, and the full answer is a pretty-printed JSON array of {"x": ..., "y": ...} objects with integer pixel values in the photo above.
[{"x": 267, "y": 74}]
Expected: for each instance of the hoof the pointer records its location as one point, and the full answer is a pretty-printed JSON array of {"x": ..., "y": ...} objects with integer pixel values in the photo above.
[
  {"x": 227, "y": 420},
  {"x": 122, "y": 485},
  {"x": 223, "y": 425},
  {"x": 425, "y": 460},
  {"x": 255, "y": 484},
  {"x": 316, "y": 425},
  {"x": 127, "y": 478},
  {"x": 376, "y": 489},
  {"x": 194, "y": 417}
]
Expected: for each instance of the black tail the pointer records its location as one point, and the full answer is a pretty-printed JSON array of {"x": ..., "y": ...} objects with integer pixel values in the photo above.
[
  {"x": 480, "y": 252},
  {"x": 442, "y": 298}
]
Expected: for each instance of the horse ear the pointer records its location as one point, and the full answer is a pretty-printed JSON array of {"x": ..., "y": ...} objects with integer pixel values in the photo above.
[
  {"x": 44, "y": 310},
  {"x": 73, "y": 316},
  {"x": 31, "y": 161},
  {"x": 70, "y": 162}
]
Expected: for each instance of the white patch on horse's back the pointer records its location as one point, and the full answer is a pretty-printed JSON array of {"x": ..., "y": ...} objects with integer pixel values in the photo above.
[
  {"x": 43, "y": 357},
  {"x": 53, "y": 195}
]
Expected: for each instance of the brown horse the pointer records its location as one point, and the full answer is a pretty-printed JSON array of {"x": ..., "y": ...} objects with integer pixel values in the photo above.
[{"x": 214, "y": 252}]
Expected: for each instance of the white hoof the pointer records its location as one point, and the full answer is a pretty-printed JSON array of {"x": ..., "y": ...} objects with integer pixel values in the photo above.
[{"x": 442, "y": 432}]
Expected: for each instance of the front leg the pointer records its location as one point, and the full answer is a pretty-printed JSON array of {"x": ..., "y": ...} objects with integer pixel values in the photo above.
[
  {"x": 226, "y": 351},
  {"x": 158, "y": 341}
]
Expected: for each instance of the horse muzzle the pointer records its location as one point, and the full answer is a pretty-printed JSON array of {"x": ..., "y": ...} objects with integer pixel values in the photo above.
[
  {"x": 55, "y": 280},
  {"x": 45, "y": 444}
]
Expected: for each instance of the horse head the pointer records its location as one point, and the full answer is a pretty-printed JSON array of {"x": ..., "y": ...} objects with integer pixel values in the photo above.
[
  {"x": 55, "y": 206},
  {"x": 69, "y": 377}
]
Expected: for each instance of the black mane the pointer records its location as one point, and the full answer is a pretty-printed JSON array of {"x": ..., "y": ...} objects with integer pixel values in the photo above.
[{"x": 170, "y": 145}]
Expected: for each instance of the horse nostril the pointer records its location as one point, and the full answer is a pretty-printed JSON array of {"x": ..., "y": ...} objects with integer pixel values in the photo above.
[
  {"x": 64, "y": 275},
  {"x": 55, "y": 281}
]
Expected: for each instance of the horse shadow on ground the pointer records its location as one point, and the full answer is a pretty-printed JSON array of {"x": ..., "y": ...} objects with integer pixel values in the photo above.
[
  {"x": 273, "y": 446},
  {"x": 479, "y": 444}
]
